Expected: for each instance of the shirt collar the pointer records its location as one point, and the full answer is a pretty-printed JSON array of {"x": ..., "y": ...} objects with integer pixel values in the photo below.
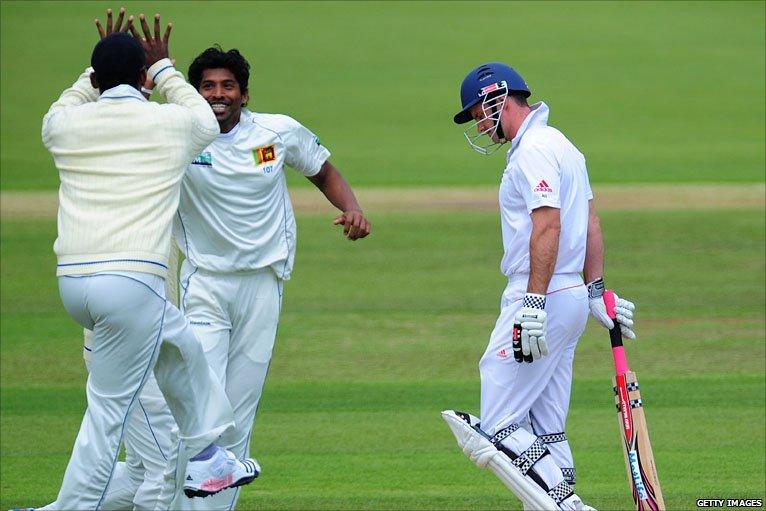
[
  {"x": 122, "y": 91},
  {"x": 231, "y": 134},
  {"x": 537, "y": 117}
]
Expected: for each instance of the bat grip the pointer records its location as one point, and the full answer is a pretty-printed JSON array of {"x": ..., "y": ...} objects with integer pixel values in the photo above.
[{"x": 615, "y": 336}]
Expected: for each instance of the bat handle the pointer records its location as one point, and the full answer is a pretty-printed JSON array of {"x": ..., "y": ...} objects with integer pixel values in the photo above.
[{"x": 615, "y": 336}]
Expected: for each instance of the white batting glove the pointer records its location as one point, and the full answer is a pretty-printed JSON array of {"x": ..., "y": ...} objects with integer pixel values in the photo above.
[
  {"x": 623, "y": 309},
  {"x": 529, "y": 328}
]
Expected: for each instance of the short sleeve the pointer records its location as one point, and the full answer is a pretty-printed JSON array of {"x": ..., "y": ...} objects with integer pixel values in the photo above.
[
  {"x": 304, "y": 153},
  {"x": 540, "y": 184},
  {"x": 588, "y": 189}
]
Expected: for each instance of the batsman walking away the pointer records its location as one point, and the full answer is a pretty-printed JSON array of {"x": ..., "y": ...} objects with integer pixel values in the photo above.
[{"x": 552, "y": 247}]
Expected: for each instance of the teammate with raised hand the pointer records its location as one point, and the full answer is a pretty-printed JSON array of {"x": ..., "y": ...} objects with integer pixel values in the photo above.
[
  {"x": 551, "y": 240},
  {"x": 120, "y": 161}
]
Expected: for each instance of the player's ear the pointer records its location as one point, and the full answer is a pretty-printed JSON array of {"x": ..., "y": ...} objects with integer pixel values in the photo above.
[
  {"x": 94, "y": 80},
  {"x": 245, "y": 98}
]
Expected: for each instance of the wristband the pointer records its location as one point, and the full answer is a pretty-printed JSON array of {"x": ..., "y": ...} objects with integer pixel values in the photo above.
[
  {"x": 534, "y": 301},
  {"x": 596, "y": 288},
  {"x": 146, "y": 91}
]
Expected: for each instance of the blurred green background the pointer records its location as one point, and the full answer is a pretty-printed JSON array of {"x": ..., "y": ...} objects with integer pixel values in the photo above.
[
  {"x": 649, "y": 91},
  {"x": 378, "y": 336}
]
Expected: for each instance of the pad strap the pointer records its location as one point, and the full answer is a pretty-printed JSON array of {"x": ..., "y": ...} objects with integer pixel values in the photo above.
[
  {"x": 553, "y": 438},
  {"x": 569, "y": 475},
  {"x": 561, "y": 492},
  {"x": 503, "y": 433},
  {"x": 528, "y": 458}
]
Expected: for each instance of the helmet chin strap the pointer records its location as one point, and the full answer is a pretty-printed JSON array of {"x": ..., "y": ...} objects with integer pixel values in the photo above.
[{"x": 499, "y": 130}]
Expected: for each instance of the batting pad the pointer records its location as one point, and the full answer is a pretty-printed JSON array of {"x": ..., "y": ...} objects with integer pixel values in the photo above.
[{"x": 475, "y": 444}]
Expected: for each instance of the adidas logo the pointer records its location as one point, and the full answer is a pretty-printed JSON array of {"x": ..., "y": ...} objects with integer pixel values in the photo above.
[
  {"x": 543, "y": 186},
  {"x": 189, "y": 478}
]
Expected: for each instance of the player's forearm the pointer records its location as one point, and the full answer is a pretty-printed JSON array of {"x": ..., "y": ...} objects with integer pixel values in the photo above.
[
  {"x": 332, "y": 184},
  {"x": 543, "y": 251},
  {"x": 594, "y": 249}
]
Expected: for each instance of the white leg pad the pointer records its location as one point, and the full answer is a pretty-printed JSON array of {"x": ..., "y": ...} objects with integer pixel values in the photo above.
[{"x": 482, "y": 452}]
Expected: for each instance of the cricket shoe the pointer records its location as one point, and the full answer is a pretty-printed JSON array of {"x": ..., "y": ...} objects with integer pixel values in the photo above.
[
  {"x": 223, "y": 470},
  {"x": 579, "y": 505}
]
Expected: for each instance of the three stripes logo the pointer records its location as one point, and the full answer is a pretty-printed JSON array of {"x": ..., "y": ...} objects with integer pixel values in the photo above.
[{"x": 543, "y": 187}]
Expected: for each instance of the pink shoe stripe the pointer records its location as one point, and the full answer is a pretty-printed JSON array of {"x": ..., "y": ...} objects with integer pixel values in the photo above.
[{"x": 217, "y": 484}]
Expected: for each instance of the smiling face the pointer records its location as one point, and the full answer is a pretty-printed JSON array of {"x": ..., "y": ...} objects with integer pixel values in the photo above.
[{"x": 220, "y": 88}]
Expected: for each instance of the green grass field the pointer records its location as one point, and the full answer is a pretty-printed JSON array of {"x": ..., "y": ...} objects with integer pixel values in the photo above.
[{"x": 377, "y": 337}]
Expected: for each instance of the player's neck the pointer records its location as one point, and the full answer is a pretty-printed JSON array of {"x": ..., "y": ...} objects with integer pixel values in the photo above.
[
  {"x": 227, "y": 127},
  {"x": 516, "y": 119}
]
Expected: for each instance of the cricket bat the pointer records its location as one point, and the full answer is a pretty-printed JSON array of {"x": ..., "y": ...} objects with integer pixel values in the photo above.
[{"x": 639, "y": 459}]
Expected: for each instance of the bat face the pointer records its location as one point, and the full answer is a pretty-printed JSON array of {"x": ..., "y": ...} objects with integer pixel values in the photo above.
[{"x": 639, "y": 459}]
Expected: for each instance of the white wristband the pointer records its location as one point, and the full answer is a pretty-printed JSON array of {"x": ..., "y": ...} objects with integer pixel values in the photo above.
[{"x": 146, "y": 91}]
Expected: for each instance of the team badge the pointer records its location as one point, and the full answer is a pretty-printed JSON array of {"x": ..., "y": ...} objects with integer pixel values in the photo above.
[
  {"x": 265, "y": 154},
  {"x": 204, "y": 158}
]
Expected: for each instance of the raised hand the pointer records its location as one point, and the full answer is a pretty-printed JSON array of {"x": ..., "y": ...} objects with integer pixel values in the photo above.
[
  {"x": 156, "y": 47},
  {"x": 116, "y": 27}
]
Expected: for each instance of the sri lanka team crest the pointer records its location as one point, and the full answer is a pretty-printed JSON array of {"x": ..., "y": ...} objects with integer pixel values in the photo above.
[{"x": 265, "y": 154}]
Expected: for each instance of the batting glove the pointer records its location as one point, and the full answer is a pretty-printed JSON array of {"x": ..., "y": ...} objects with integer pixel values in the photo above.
[
  {"x": 529, "y": 329},
  {"x": 623, "y": 309}
]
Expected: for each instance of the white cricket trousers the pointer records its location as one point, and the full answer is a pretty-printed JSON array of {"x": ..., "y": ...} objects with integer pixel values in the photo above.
[
  {"x": 535, "y": 395},
  {"x": 235, "y": 317},
  {"x": 135, "y": 330}
]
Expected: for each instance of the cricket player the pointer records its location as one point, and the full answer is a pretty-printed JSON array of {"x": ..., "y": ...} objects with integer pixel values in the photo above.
[
  {"x": 236, "y": 228},
  {"x": 551, "y": 240},
  {"x": 120, "y": 161}
]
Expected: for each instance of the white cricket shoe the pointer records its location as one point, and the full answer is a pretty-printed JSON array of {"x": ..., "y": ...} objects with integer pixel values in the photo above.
[
  {"x": 223, "y": 470},
  {"x": 579, "y": 505}
]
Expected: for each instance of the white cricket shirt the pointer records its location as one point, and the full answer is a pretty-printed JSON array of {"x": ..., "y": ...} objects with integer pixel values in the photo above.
[
  {"x": 235, "y": 213},
  {"x": 543, "y": 168}
]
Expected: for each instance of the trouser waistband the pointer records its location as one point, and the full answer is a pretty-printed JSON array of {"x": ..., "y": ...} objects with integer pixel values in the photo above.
[{"x": 558, "y": 281}]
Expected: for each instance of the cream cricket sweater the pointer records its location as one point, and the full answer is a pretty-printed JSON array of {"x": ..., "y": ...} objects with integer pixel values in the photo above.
[{"x": 120, "y": 160}]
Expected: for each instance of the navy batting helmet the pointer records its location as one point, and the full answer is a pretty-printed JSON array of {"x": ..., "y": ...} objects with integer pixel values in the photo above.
[{"x": 482, "y": 81}]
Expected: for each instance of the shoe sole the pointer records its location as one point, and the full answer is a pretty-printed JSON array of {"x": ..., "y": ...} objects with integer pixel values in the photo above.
[{"x": 196, "y": 492}]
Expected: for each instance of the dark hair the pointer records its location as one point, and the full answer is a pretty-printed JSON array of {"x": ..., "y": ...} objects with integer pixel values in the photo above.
[
  {"x": 216, "y": 58},
  {"x": 118, "y": 59},
  {"x": 520, "y": 98}
]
